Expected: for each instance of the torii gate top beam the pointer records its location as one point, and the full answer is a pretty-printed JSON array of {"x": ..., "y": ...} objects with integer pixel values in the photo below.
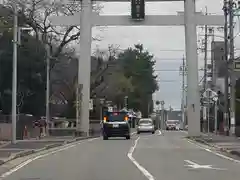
[
  {"x": 150, "y": 20},
  {"x": 145, "y": 0}
]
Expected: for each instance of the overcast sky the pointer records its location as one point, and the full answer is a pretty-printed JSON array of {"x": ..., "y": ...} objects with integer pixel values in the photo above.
[{"x": 165, "y": 43}]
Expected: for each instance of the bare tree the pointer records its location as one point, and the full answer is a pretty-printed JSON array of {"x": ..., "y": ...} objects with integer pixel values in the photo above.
[
  {"x": 105, "y": 58},
  {"x": 35, "y": 14}
]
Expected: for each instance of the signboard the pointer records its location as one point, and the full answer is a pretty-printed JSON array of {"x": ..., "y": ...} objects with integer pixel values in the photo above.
[
  {"x": 91, "y": 104},
  {"x": 236, "y": 12},
  {"x": 204, "y": 113},
  {"x": 110, "y": 109},
  {"x": 236, "y": 65}
]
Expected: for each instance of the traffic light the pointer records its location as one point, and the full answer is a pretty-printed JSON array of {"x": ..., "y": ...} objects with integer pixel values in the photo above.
[{"x": 138, "y": 9}]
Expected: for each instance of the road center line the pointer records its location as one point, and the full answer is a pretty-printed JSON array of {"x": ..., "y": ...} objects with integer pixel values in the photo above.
[{"x": 141, "y": 168}]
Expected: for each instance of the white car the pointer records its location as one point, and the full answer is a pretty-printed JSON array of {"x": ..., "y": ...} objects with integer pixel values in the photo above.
[{"x": 145, "y": 125}]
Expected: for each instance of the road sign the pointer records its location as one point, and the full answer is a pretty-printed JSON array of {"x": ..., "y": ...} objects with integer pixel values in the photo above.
[{"x": 208, "y": 93}]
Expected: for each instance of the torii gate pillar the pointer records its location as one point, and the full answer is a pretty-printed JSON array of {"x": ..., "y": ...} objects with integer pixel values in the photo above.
[
  {"x": 193, "y": 94},
  {"x": 84, "y": 65}
]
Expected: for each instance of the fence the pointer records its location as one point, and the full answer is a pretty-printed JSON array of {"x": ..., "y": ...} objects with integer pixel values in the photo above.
[{"x": 57, "y": 127}]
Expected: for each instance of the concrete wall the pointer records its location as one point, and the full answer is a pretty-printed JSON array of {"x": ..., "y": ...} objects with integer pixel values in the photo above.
[{"x": 5, "y": 131}]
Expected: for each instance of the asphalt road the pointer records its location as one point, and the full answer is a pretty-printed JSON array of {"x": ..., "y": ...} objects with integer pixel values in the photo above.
[{"x": 145, "y": 157}]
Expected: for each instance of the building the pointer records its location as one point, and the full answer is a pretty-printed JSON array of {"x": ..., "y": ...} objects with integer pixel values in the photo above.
[
  {"x": 174, "y": 115},
  {"x": 216, "y": 70}
]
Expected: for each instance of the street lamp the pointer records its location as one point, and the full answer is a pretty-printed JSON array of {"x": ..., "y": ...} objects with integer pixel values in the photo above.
[{"x": 16, "y": 42}]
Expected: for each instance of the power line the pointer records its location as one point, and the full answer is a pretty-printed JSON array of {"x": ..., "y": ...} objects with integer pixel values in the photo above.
[
  {"x": 182, "y": 50},
  {"x": 174, "y": 70},
  {"x": 173, "y": 59},
  {"x": 168, "y": 81}
]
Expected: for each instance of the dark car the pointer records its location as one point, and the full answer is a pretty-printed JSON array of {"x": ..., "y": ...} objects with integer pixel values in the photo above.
[{"x": 115, "y": 124}]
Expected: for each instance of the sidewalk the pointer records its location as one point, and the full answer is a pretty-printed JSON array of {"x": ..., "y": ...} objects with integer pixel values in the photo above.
[
  {"x": 228, "y": 144},
  {"x": 9, "y": 151}
]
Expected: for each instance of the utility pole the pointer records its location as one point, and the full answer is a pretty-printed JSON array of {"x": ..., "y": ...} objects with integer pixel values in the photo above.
[
  {"x": 183, "y": 72},
  {"x": 47, "y": 49},
  {"x": 14, "y": 74},
  {"x": 205, "y": 72},
  {"x": 205, "y": 55},
  {"x": 231, "y": 61},
  {"x": 226, "y": 84},
  {"x": 162, "y": 114}
]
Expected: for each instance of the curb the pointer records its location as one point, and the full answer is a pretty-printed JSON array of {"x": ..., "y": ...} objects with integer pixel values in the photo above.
[
  {"x": 50, "y": 146},
  {"x": 225, "y": 150}
]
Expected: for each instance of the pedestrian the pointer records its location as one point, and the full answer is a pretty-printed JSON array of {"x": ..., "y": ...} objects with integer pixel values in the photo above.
[
  {"x": 36, "y": 125},
  {"x": 43, "y": 127}
]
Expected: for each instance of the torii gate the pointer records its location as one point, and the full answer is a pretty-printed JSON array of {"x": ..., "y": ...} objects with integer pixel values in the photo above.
[{"x": 87, "y": 19}]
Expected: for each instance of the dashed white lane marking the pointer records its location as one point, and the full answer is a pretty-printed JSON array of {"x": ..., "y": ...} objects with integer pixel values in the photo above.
[
  {"x": 214, "y": 152},
  {"x": 141, "y": 168},
  {"x": 21, "y": 165}
]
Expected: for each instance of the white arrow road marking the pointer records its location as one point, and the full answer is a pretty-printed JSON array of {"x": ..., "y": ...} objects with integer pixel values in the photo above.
[{"x": 194, "y": 165}]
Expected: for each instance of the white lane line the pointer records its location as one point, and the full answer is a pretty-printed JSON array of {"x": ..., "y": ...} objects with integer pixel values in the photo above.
[
  {"x": 141, "y": 168},
  {"x": 214, "y": 152},
  {"x": 21, "y": 165}
]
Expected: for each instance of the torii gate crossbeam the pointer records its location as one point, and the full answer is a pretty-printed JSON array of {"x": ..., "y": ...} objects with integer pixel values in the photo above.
[{"x": 86, "y": 19}]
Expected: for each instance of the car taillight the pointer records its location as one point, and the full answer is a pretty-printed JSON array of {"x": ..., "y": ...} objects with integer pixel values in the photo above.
[{"x": 104, "y": 119}]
